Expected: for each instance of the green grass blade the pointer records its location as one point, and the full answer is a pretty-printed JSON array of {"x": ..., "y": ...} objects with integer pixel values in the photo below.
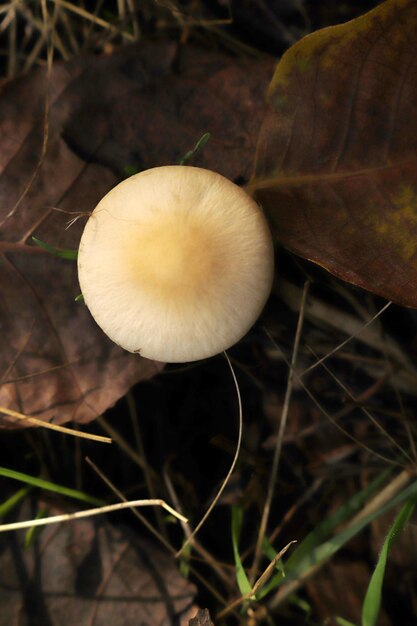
[
  {"x": 325, "y": 529},
  {"x": 197, "y": 148},
  {"x": 276, "y": 580},
  {"x": 302, "y": 605},
  {"x": 324, "y": 551},
  {"x": 372, "y": 601},
  {"x": 9, "y": 504},
  {"x": 185, "y": 561},
  {"x": 34, "y": 531},
  {"x": 69, "y": 255},
  {"x": 48, "y": 486},
  {"x": 241, "y": 578},
  {"x": 343, "y": 622}
]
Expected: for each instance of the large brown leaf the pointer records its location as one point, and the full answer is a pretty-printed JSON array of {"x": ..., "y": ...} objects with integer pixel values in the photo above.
[
  {"x": 140, "y": 107},
  {"x": 337, "y": 156},
  {"x": 89, "y": 572}
]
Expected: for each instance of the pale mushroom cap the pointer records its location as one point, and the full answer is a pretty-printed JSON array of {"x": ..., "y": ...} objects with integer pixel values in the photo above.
[{"x": 176, "y": 263}]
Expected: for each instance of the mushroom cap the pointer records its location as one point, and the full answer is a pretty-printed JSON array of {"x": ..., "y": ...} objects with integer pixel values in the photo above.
[{"x": 176, "y": 263}]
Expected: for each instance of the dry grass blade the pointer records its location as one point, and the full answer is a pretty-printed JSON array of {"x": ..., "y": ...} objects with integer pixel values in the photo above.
[
  {"x": 153, "y": 530},
  {"x": 92, "y": 18},
  {"x": 149, "y": 475},
  {"x": 262, "y": 580},
  {"x": 49, "y": 50},
  {"x": 330, "y": 417},
  {"x": 122, "y": 443},
  {"x": 140, "y": 517},
  {"x": 365, "y": 411},
  {"x": 232, "y": 467},
  {"x": 11, "y": 63},
  {"x": 342, "y": 345},
  {"x": 319, "y": 311},
  {"x": 203, "y": 553},
  {"x": 60, "y": 429},
  {"x": 280, "y": 436},
  {"x": 385, "y": 495},
  {"x": 67, "y": 517},
  {"x": 378, "y": 502}
]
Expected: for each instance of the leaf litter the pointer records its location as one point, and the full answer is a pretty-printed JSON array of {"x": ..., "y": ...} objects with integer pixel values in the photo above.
[{"x": 97, "y": 127}]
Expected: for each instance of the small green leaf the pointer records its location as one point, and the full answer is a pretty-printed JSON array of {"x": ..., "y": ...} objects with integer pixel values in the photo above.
[
  {"x": 372, "y": 601},
  {"x": 69, "y": 255},
  {"x": 197, "y": 148},
  {"x": 79, "y": 298},
  {"x": 242, "y": 580},
  {"x": 130, "y": 170}
]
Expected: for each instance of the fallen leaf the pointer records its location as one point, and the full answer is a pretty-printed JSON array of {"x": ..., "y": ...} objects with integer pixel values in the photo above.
[
  {"x": 141, "y": 107},
  {"x": 202, "y": 618},
  {"x": 336, "y": 163},
  {"x": 89, "y": 572}
]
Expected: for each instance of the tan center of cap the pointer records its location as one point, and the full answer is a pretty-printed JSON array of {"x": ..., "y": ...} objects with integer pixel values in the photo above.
[{"x": 172, "y": 259}]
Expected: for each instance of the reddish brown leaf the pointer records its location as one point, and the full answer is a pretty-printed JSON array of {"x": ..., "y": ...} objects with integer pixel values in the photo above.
[
  {"x": 140, "y": 107},
  {"x": 89, "y": 572},
  {"x": 337, "y": 157}
]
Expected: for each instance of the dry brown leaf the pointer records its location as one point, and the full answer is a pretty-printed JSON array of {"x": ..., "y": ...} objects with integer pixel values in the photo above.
[
  {"x": 89, "y": 572},
  {"x": 141, "y": 107},
  {"x": 337, "y": 159}
]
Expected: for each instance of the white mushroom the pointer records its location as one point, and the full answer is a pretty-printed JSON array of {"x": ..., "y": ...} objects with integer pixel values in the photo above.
[{"x": 176, "y": 263}]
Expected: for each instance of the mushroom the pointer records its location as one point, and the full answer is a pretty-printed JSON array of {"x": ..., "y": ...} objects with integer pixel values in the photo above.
[{"x": 176, "y": 263}]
